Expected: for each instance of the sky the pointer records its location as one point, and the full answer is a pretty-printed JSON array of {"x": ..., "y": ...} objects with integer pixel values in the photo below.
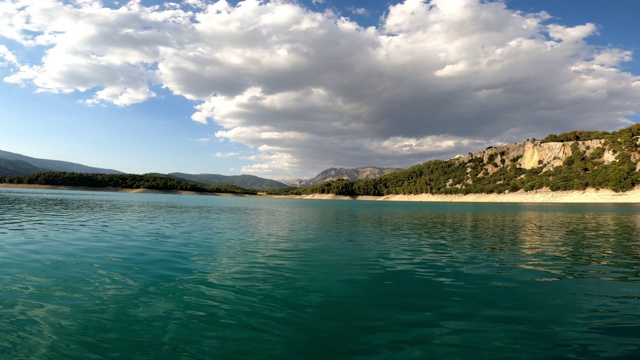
[{"x": 285, "y": 89}]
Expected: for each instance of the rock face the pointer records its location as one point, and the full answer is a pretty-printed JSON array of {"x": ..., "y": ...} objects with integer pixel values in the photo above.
[
  {"x": 532, "y": 154},
  {"x": 552, "y": 154}
]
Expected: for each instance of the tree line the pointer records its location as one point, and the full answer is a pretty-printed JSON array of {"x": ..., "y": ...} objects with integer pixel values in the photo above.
[{"x": 119, "y": 181}]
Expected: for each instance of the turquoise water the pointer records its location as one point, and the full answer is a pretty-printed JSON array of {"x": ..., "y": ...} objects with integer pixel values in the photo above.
[{"x": 97, "y": 275}]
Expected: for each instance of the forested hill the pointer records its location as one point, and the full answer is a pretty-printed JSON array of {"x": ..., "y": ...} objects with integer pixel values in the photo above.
[
  {"x": 571, "y": 161},
  {"x": 119, "y": 181},
  {"x": 244, "y": 181}
]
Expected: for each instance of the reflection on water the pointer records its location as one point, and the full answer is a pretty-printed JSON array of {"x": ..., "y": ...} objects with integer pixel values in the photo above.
[
  {"x": 107, "y": 275},
  {"x": 570, "y": 245}
]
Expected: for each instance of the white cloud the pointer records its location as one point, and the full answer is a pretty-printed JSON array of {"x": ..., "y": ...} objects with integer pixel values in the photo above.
[
  {"x": 571, "y": 34},
  {"x": 271, "y": 160},
  {"x": 358, "y": 11},
  {"x": 203, "y": 140},
  {"x": 6, "y": 57},
  {"x": 309, "y": 90},
  {"x": 227, "y": 155},
  {"x": 89, "y": 47}
]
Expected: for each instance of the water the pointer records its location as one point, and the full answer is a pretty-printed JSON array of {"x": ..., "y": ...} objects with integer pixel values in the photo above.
[{"x": 97, "y": 275}]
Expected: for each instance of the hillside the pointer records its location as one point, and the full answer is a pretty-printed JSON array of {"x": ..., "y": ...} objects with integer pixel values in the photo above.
[
  {"x": 16, "y": 164},
  {"x": 572, "y": 161},
  {"x": 243, "y": 181},
  {"x": 17, "y": 167}
]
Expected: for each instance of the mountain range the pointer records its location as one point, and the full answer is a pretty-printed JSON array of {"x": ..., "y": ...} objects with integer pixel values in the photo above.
[
  {"x": 244, "y": 181},
  {"x": 576, "y": 160},
  {"x": 12, "y": 164}
]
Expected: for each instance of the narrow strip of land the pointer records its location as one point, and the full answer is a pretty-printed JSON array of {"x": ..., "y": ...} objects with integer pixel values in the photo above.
[
  {"x": 112, "y": 189},
  {"x": 536, "y": 196}
]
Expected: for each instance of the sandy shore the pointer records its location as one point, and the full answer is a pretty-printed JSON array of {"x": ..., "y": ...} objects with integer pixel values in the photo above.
[{"x": 538, "y": 196}]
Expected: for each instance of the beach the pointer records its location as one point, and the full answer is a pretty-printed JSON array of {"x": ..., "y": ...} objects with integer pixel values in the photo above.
[{"x": 535, "y": 196}]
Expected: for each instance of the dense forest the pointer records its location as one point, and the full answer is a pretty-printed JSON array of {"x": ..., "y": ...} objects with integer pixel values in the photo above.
[
  {"x": 119, "y": 181},
  {"x": 583, "y": 169}
]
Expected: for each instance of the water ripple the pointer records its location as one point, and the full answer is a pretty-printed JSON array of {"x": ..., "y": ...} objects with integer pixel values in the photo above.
[{"x": 108, "y": 275}]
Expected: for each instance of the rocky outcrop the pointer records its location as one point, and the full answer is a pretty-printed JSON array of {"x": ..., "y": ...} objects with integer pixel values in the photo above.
[{"x": 533, "y": 154}]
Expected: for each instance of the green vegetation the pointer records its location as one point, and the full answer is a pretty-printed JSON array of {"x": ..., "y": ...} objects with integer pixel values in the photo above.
[
  {"x": 578, "y": 172},
  {"x": 621, "y": 138},
  {"x": 494, "y": 171},
  {"x": 575, "y": 136},
  {"x": 119, "y": 181}
]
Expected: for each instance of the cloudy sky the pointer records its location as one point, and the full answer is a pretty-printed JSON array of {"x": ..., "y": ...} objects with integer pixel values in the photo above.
[{"x": 284, "y": 89}]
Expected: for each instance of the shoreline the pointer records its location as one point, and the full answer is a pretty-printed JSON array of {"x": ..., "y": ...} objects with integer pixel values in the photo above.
[
  {"x": 603, "y": 196},
  {"x": 108, "y": 189}
]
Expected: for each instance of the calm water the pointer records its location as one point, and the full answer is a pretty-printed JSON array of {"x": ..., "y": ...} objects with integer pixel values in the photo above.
[{"x": 91, "y": 275}]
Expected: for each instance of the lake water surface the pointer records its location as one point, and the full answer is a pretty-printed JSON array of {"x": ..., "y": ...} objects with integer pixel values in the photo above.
[{"x": 99, "y": 275}]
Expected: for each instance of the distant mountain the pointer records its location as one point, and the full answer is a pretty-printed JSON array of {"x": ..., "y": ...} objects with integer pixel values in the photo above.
[
  {"x": 294, "y": 182},
  {"x": 351, "y": 174},
  {"x": 244, "y": 181},
  {"x": 16, "y": 164},
  {"x": 17, "y": 167}
]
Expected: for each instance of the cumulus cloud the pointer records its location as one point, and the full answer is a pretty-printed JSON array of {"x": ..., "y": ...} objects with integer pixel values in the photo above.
[
  {"x": 6, "y": 57},
  {"x": 308, "y": 90}
]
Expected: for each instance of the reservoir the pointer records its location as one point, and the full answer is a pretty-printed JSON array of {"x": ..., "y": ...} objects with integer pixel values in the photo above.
[{"x": 106, "y": 275}]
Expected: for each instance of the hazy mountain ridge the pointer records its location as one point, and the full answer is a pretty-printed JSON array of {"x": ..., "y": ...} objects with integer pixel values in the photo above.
[
  {"x": 244, "y": 181},
  {"x": 16, "y": 165},
  {"x": 12, "y": 164}
]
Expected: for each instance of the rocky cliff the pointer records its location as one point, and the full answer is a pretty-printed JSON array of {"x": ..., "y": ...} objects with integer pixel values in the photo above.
[{"x": 548, "y": 155}]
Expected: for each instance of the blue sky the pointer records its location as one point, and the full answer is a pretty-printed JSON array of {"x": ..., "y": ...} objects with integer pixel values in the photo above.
[{"x": 287, "y": 89}]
